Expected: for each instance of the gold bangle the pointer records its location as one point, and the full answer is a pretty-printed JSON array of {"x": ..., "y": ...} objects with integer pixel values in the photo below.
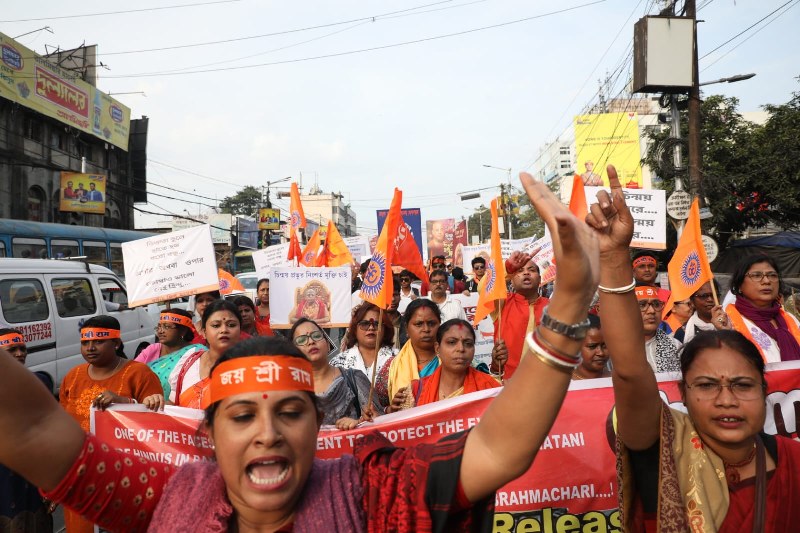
[
  {"x": 549, "y": 345},
  {"x": 565, "y": 369}
]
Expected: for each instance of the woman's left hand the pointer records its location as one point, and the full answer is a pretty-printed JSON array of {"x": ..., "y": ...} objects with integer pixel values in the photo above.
[
  {"x": 719, "y": 318},
  {"x": 346, "y": 423},
  {"x": 154, "y": 402}
]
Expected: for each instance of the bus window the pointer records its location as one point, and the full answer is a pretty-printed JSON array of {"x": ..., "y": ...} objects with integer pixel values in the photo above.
[
  {"x": 73, "y": 297},
  {"x": 63, "y": 249},
  {"x": 23, "y": 301},
  {"x": 116, "y": 259},
  {"x": 243, "y": 262},
  {"x": 29, "y": 248},
  {"x": 95, "y": 252},
  {"x": 3, "y": 249}
]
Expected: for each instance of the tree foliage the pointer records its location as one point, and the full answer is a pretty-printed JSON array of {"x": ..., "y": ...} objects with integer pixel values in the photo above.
[
  {"x": 245, "y": 202},
  {"x": 750, "y": 175}
]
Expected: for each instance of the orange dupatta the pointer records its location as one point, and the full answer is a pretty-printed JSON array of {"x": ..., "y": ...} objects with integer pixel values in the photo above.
[{"x": 474, "y": 381}]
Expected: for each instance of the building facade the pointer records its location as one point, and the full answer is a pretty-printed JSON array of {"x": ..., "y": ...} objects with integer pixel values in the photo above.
[{"x": 321, "y": 207}]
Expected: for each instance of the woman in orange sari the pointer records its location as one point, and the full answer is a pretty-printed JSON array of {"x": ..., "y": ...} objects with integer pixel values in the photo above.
[
  {"x": 221, "y": 326},
  {"x": 107, "y": 377},
  {"x": 455, "y": 346}
]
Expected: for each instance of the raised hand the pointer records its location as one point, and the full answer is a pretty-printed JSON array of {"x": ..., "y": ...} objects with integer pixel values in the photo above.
[
  {"x": 610, "y": 217},
  {"x": 516, "y": 261}
]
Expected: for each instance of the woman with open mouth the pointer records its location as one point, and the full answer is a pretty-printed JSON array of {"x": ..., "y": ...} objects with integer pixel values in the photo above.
[
  {"x": 455, "y": 347},
  {"x": 261, "y": 413},
  {"x": 708, "y": 469},
  {"x": 221, "y": 326}
]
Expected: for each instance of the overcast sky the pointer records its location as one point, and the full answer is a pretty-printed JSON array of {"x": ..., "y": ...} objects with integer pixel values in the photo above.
[{"x": 423, "y": 116}]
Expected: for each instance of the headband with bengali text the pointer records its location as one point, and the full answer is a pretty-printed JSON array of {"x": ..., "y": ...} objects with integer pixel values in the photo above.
[
  {"x": 99, "y": 334},
  {"x": 644, "y": 260},
  {"x": 9, "y": 339},
  {"x": 646, "y": 293},
  {"x": 258, "y": 373},
  {"x": 174, "y": 318}
]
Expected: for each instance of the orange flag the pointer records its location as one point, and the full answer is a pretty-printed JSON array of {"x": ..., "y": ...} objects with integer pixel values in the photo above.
[
  {"x": 311, "y": 250},
  {"x": 334, "y": 252},
  {"x": 378, "y": 284},
  {"x": 577, "y": 200},
  {"x": 294, "y": 246},
  {"x": 492, "y": 286},
  {"x": 688, "y": 269},
  {"x": 297, "y": 218},
  {"x": 406, "y": 253}
]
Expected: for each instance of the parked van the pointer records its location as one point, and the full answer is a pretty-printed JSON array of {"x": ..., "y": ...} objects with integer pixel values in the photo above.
[{"x": 49, "y": 300}]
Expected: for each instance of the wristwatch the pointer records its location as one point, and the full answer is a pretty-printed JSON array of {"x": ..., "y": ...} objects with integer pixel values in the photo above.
[{"x": 573, "y": 331}]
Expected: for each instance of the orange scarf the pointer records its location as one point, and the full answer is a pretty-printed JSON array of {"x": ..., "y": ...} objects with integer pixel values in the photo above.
[
  {"x": 192, "y": 396},
  {"x": 737, "y": 321},
  {"x": 475, "y": 380},
  {"x": 517, "y": 324}
]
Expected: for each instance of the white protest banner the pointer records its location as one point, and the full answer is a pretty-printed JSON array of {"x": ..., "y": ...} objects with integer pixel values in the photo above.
[
  {"x": 484, "y": 334},
  {"x": 544, "y": 259},
  {"x": 220, "y": 228},
  {"x": 170, "y": 266},
  {"x": 649, "y": 210},
  {"x": 268, "y": 258},
  {"x": 507, "y": 247},
  {"x": 321, "y": 294},
  {"x": 358, "y": 246}
]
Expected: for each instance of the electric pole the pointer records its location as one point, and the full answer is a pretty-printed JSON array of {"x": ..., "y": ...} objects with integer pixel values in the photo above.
[{"x": 693, "y": 140}]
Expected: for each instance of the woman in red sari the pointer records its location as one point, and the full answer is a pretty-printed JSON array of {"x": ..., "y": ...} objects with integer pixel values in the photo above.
[
  {"x": 708, "y": 469},
  {"x": 262, "y": 419},
  {"x": 455, "y": 346}
]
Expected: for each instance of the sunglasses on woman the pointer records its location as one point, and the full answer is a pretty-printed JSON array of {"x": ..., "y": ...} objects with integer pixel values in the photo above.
[{"x": 314, "y": 336}]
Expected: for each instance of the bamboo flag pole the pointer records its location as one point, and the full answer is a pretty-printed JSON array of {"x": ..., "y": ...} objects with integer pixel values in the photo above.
[{"x": 378, "y": 341}]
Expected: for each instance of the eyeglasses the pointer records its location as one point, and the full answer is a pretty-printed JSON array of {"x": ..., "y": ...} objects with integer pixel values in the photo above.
[
  {"x": 479, "y": 267},
  {"x": 366, "y": 325},
  {"x": 687, "y": 302},
  {"x": 314, "y": 336},
  {"x": 439, "y": 266},
  {"x": 704, "y": 296},
  {"x": 758, "y": 275},
  {"x": 438, "y": 281},
  {"x": 405, "y": 279},
  {"x": 657, "y": 305},
  {"x": 742, "y": 390},
  {"x": 162, "y": 326}
]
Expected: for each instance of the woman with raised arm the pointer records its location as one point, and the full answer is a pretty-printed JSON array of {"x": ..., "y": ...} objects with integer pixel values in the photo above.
[
  {"x": 262, "y": 417},
  {"x": 713, "y": 468}
]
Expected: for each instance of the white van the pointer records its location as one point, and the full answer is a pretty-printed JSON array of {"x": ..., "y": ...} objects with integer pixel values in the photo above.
[{"x": 49, "y": 300}]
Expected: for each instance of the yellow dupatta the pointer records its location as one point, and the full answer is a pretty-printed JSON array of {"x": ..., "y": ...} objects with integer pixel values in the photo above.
[{"x": 404, "y": 369}]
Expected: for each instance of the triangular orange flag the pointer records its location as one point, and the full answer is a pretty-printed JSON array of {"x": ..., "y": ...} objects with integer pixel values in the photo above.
[
  {"x": 311, "y": 250},
  {"x": 294, "y": 246},
  {"x": 297, "y": 219},
  {"x": 378, "y": 283},
  {"x": 688, "y": 269},
  {"x": 334, "y": 252},
  {"x": 577, "y": 200},
  {"x": 492, "y": 286}
]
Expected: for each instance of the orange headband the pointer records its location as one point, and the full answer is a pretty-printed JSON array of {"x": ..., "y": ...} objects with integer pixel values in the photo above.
[
  {"x": 644, "y": 260},
  {"x": 173, "y": 318},
  {"x": 646, "y": 293},
  {"x": 258, "y": 373},
  {"x": 99, "y": 334},
  {"x": 11, "y": 338}
]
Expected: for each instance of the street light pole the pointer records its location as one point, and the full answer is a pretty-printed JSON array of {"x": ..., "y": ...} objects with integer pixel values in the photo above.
[{"x": 504, "y": 199}]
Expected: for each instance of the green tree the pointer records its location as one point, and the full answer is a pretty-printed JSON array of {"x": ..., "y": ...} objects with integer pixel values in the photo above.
[
  {"x": 750, "y": 178},
  {"x": 245, "y": 202}
]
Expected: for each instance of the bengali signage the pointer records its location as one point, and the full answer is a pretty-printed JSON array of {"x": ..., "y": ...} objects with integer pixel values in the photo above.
[
  {"x": 170, "y": 266},
  {"x": 648, "y": 208},
  {"x": 321, "y": 294},
  {"x": 270, "y": 257},
  {"x": 34, "y": 82}
]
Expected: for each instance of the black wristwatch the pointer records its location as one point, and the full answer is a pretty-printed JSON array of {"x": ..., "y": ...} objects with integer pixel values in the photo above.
[{"x": 573, "y": 331}]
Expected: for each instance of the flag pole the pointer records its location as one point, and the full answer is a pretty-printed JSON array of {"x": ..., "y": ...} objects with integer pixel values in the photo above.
[
  {"x": 714, "y": 292},
  {"x": 378, "y": 341},
  {"x": 500, "y": 303}
]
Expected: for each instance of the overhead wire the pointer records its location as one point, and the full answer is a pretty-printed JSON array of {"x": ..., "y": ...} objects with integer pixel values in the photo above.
[{"x": 756, "y": 23}]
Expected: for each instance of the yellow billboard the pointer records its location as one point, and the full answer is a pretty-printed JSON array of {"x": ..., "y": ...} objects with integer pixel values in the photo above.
[
  {"x": 608, "y": 138},
  {"x": 34, "y": 82},
  {"x": 269, "y": 218},
  {"x": 83, "y": 193}
]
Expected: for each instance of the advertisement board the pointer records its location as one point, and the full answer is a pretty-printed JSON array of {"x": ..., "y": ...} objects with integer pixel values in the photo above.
[
  {"x": 608, "y": 138},
  {"x": 83, "y": 193}
]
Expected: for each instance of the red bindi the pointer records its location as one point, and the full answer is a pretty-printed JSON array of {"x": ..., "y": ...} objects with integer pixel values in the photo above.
[{"x": 265, "y": 396}]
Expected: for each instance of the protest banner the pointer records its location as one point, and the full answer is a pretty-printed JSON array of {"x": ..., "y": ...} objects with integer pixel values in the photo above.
[
  {"x": 170, "y": 266},
  {"x": 321, "y": 294},
  {"x": 484, "y": 333},
  {"x": 440, "y": 238},
  {"x": 220, "y": 228},
  {"x": 358, "y": 246},
  {"x": 608, "y": 138},
  {"x": 83, "y": 193},
  {"x": 412, "y": 216},
  {"x": 270, "y": 257},
  {"x": 459, "y": 241},
  {"x": 570, "y": 487},
  {"x": 507, "y": 247},
  {"x": 649, "y": 210}
]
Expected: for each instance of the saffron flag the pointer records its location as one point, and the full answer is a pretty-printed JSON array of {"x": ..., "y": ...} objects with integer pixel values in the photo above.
[
  {"x": 309, "y": 256},
  {"x": 297, "y": 219},
  {"x": 406, "y": 252},
  {"x": 688, "y": 269},
  {"x": 378, "y": 283},
  {"x": 334, "y": 252},
  {"x": 294, "y": 246},
  {"x": 492, "y": 286},
  {"x": 577, "y": 200}
]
